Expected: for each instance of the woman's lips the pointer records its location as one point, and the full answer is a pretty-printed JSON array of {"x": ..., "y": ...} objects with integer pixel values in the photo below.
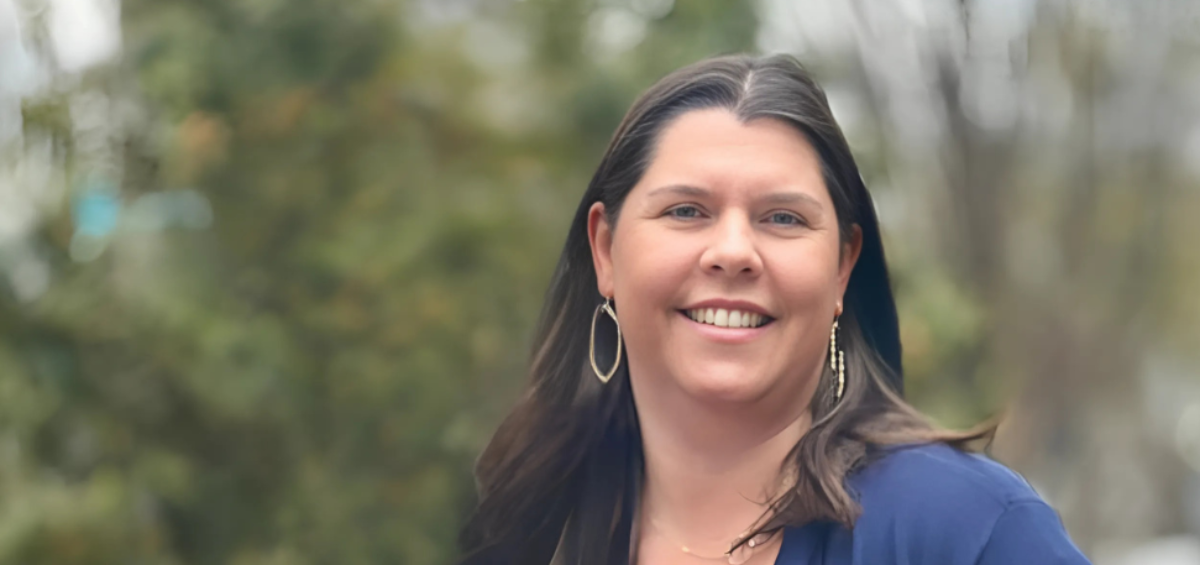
[{"x": 724, "y": 334}]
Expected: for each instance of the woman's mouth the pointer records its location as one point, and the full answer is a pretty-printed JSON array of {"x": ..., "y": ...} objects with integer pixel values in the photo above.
[{"x": 727, "y": 318}]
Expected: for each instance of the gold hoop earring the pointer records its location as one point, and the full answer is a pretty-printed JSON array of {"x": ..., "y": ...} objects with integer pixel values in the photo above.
[
  {"x": 837, "y": 362},
  {"x": 604, "y": 377}
]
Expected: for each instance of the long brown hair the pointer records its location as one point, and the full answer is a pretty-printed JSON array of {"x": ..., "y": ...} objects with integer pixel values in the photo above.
[{"x": 562, "y": 474}]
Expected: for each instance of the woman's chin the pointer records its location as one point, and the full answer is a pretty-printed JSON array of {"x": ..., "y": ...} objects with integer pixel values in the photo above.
[{"x": 730, "y": 384}]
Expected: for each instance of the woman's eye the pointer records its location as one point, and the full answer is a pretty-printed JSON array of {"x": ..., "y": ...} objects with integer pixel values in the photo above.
[
  {"x": 684, "y": 212},
  {"x": 787, "y": 219}
]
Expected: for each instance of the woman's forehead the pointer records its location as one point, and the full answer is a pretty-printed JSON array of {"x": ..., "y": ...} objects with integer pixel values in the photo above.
[{"x": 713, "y": 151}]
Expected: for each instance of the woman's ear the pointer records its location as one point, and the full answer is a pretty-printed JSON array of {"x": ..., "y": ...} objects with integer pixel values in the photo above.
[
  {"x": 849, "y": 256},
  {"x": 600, "y": 239}
]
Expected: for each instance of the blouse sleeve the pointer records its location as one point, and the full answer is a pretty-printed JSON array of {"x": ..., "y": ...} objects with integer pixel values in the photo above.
[{"x": 1030, "y": 533}]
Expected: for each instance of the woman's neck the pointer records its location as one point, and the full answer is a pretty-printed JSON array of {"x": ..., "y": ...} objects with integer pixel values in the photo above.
[{"x": 711, "y": 470}]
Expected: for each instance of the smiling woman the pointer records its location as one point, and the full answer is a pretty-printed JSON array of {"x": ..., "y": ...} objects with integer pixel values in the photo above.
[{"x": 717, "y": 372}]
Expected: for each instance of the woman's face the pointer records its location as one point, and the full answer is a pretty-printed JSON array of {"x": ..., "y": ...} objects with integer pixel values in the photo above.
[{"x": 730, "y": 225}]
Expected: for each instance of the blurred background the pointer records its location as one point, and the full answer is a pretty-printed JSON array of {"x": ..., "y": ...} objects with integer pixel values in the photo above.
[{"x": 269, "y": 269}]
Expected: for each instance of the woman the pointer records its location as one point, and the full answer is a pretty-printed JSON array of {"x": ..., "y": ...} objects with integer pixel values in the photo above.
[{"x": 716, "y": 377}]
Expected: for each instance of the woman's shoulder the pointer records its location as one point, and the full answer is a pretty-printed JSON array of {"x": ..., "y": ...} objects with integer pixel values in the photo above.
[
  {"x": 938, "y": 504},
  {"x": 919, "y": 476}
]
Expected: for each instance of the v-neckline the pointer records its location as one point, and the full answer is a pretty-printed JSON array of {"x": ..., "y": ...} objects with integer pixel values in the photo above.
[
  {"x": 785, "y": 545},
  {"x": 798, "y": 545}
]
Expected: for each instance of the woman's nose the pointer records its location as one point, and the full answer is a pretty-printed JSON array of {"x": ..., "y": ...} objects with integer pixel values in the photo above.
[{"x": 732, "y": 250}]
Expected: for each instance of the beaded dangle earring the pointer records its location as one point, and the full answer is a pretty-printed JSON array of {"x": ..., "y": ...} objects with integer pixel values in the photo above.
[{"x": 837, "y": 359}]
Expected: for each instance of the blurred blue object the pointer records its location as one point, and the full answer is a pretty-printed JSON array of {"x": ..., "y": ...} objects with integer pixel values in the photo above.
[{"x": 96, "y": 210}]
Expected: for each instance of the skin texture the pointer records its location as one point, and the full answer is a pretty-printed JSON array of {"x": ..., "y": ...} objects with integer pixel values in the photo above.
[{"x": 729, "y": 211}]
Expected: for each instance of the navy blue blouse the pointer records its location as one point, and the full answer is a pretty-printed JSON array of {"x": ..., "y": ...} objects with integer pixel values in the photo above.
[{"x": 932, "y": 504}]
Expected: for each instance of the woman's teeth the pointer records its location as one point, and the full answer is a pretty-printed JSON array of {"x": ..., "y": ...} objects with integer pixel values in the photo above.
[{"x": 723, "y": 318}]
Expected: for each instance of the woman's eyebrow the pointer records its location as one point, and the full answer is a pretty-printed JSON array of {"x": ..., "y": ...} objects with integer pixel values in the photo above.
[
  {"x": 681, "y": 189},
  {"x": 791, "y": 198}
]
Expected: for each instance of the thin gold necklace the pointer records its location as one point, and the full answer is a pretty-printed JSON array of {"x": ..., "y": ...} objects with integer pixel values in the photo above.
[{"x": 737, "y": 556}]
